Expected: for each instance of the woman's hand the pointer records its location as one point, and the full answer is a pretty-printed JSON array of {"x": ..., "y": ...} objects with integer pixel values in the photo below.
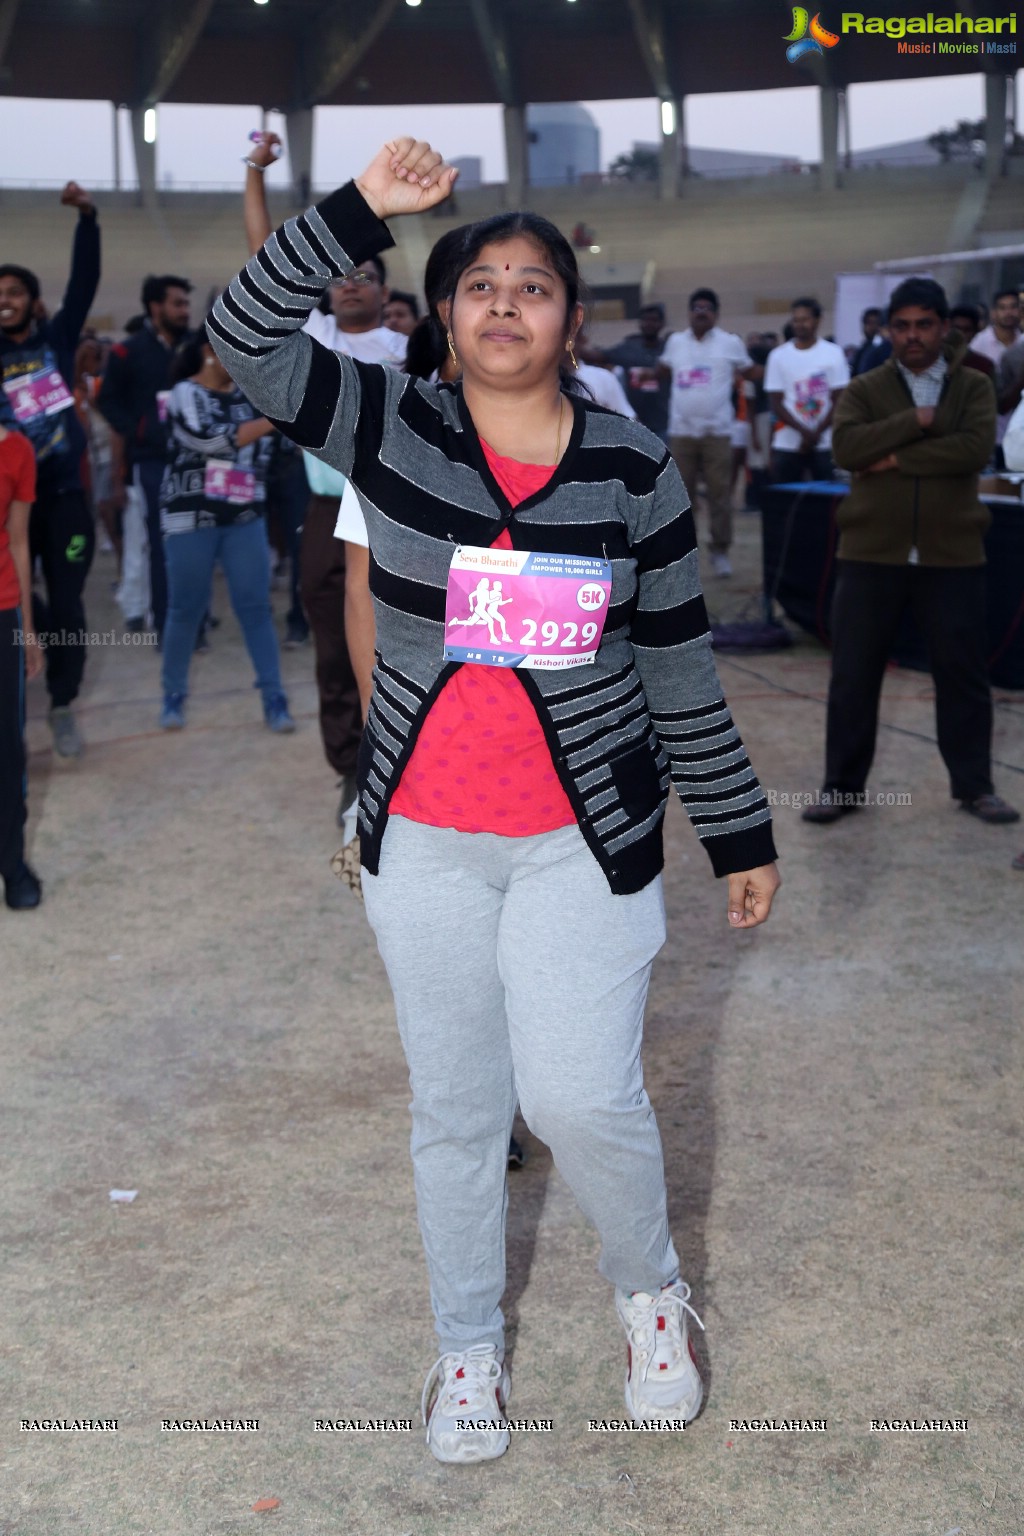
[
  {"x": 406, "y": 176},
  {"x": 750, "y": 895}
]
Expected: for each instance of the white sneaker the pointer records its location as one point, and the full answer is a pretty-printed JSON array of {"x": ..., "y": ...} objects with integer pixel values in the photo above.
[
  {"x": 721, "y": 565},
  {"x": 662, "y": 1381},
  {"x": 470, "y": 1386}
]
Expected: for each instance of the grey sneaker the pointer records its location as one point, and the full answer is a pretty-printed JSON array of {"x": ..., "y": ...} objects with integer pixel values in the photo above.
[{"x": 66, "y": 740}]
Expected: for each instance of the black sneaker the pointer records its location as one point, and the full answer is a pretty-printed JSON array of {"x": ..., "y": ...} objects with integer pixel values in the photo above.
[
  {"x": 295, "y": 636},
  {"x": 830, "y": 805},
  {"x": 23, "y": 889},
  {"x": 516, "y": 1153}
]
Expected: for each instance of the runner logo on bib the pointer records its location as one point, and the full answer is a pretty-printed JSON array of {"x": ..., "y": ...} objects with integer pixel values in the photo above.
[
  {"x": 512, "y": 608},
  {"x": 224, "y": 482},
  {"x": 693, "y": 378},
  {"x": 33, "y": 395}
]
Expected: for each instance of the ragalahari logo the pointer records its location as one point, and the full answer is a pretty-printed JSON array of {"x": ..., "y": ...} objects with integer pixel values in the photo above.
[{"x": 800, "y": 44}]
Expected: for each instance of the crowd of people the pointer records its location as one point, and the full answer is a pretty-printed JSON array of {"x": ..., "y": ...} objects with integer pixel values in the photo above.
[{"x": 393, "y": 450}]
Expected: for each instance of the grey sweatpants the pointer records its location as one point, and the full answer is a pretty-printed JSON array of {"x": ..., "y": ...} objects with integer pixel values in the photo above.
[{"x": 517, "y": 973}]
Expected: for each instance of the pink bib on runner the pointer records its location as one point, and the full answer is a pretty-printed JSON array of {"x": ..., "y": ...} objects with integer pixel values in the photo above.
[
  {"x": 514, "y": 608},
  {"x": 37, "y": 394},
  {"x": 224, "y": 482}
]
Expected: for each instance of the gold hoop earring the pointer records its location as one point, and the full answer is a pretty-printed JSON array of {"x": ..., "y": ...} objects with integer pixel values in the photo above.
[
  {"x": 572, "y": 355},
  {"x": 452, "y": 352}
]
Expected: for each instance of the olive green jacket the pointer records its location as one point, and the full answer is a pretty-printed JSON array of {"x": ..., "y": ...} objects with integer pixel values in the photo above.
[{"x": 930, "y": 502}]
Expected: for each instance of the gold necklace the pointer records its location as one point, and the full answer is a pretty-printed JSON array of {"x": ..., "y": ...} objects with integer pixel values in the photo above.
[{"x": 558, "y": 436}]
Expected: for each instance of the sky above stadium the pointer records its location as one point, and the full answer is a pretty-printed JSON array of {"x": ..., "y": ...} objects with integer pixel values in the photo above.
[{"x": 201, "y": 145}]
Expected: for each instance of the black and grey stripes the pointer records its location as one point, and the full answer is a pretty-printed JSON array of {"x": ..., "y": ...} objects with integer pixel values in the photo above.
[{"x": 649, "y": 711}]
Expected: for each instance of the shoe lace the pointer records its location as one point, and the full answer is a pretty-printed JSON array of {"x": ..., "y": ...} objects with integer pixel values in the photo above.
[
  {"x": 669, "y": 1305},
  {"x": 470, "y": 1376}
]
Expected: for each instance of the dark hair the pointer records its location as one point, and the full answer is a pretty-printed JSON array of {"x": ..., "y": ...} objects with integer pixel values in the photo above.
[
  {"x": 1006, "y": 293},
  {"x": 429, "y": 341},
  {"x": 528, "y": 226},
  {"x": 655, "y": 307},
  {"x": 707, "y": 294},
  {"x": 427, "y": 348},
  {"x": 811, "y": 304},
  {"x": 398, "y": 296},
  {"x": 133, "y": 326},
  {"x": 966, "y": 312},
  {"x": 22, "y": 275},
  {"x": 872, "y": 309},
  {"x": 188, "y": 358},
  {"x": 925, "y": 292},
  {"x": 154, "y": 289}
]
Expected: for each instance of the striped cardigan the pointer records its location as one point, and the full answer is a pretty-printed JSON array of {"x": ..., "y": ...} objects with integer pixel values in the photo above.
[{"x": 650, "y": 707}]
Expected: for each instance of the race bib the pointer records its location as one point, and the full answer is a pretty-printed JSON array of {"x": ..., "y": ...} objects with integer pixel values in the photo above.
[
  {"x": 33, "y": 395},
  {"x": 223, "y": 482},
  {"x": 162, "y": 401},
  {"x": 812, "y": 396},
  {"x": 511, "y": 608},
  {"x": 693, "y": 378},
  {"x": 640, "y": 379}
]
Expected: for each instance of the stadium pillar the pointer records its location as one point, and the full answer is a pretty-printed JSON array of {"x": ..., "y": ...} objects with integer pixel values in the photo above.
[
  {"x": 673, "y": 148},
  {"x": 828, "y": 98},
  {"x": 145, "y": 158},
  {"x": 995, "y": 126},
  {"x": 299, "y": 130},
  {"x": 117, "y": 145},
  {"x": 517, "y": 179}
]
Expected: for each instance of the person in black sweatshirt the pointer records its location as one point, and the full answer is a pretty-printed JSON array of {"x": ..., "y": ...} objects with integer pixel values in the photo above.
[
  {"x": 37, "y": 373},
  {"x": 133, "y": 397}
]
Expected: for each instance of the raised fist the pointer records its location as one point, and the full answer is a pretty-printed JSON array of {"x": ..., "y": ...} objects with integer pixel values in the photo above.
[
  {"x": 73, "y": 196},
  {"x": 406, "y": 176},
  {"x": 266, "y": 151}
]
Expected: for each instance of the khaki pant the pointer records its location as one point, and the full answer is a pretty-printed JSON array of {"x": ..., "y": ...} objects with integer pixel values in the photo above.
[{"x": 711, "y": 457}]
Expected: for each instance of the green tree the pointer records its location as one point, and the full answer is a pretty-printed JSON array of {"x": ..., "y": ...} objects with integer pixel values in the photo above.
[{"x": 640, "y": 164}]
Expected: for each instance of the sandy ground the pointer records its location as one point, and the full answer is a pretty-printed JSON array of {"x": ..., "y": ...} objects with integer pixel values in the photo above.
[{"x": 198, "y": 1012}]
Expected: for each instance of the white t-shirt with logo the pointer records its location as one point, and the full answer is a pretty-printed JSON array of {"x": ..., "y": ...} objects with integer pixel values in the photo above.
[
  {"x": 805, "y": 377},
  {"x": 703, "y": 374}
]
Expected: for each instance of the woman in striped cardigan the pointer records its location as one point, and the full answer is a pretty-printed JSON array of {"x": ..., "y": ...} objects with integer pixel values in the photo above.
[{"x": 512, "y": 798}]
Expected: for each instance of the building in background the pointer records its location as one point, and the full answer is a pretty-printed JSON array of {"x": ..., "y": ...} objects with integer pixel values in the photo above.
[{"x": 564, "y": 143}]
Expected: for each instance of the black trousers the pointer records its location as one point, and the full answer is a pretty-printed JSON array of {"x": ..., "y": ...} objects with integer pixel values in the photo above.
[
  {"x": 62, "y": 537},
  {"x": 323, "y": 597},
  {"x": 788, "y": 467},
  {"x": 948, "y": 605},
  {"x": 12, "y": 743}
]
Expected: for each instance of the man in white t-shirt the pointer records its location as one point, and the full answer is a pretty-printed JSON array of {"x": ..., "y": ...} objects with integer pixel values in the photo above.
[
  {"x": 803, "y": 380},
  {"x": 994, "y": 342},
  {"x": 353, "y": 325},
  {"x": 704, "y": 363}
]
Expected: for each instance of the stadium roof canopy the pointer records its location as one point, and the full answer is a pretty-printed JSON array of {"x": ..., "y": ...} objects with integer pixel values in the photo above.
[{"x": 292, "y": 54}]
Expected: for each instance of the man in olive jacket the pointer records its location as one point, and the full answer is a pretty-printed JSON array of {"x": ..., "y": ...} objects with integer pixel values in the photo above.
[{"x": 915, "y": 432}]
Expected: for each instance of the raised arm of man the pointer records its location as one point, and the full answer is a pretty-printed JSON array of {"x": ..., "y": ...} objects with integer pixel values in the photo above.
[
  {"x": 258, "y": 161},
  {"x": 84, "y": 277}
]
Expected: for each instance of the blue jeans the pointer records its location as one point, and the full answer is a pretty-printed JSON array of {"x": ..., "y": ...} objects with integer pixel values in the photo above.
[{"x": 244, "y": 554}]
